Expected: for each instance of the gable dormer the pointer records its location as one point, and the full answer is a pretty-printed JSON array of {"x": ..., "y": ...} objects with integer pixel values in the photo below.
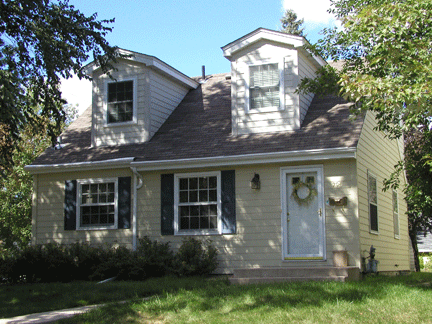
[
  {"x": 266, "y": 68},
  {"x": 131, "y": 106}
]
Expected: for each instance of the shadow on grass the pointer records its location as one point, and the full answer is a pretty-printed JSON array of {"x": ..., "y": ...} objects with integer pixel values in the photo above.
[{"x": 197, "y": 296}]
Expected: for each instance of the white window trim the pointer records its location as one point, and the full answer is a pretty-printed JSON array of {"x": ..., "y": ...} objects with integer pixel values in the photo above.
[
  {"x": 396, "y": 235},
  {"x": 370, "y": 174},
  {"x": 80, "y": 182},
  {"x": 177, "y": 177},
  {"x": 135, "y": 102},
  {"x": 281, "y": 67}
]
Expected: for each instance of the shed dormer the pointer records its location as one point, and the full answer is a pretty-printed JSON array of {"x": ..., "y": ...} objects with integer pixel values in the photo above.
[
  {"x": 266, "y": 67},
  {"x": 132, "y": 105}
]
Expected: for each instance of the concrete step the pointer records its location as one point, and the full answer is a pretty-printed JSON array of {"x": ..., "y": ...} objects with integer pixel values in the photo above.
[
  {"x": 295, "y": 274},
  {"x": 244, "y": 281}
]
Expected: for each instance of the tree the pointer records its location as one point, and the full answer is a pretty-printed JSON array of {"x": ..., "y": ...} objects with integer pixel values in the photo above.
[
  {"x": 418, "y": 192},
  {"x": 16, "y": 188},
  {"x": 385, "y": 53},
  {"x": 40, "y": 42},
  {"x": 292, "y": 25}
]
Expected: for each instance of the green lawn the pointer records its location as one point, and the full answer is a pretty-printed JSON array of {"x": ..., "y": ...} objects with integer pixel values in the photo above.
[{"x": 402, "y": 299}]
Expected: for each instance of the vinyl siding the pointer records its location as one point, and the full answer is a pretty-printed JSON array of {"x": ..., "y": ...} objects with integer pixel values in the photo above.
[
  {"x": 287, "y": 118},
  {"x": 378, "y": 155},
  {"x": 157, "y": 96},
  {"x": 258, "y": 241},
  {"x": 165, "y": 97},
  {"x": 306, "y": 70},
  {"x": 48, "y": 212}
]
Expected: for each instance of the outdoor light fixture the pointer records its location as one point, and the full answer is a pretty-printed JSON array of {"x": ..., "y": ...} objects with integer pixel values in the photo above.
[{"x": 255, "y": 182}]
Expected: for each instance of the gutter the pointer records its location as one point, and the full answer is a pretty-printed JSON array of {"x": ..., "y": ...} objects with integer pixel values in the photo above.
[
  {"x": 138, "y": 183},
  {"x": 247, "y": 159},
  {"x": 80, "y": 166}
]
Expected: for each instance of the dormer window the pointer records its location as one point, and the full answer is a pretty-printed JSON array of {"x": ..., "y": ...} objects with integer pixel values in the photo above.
[
  {"x": 264, "y": 86},
  {"x": 120, "y": 102}
]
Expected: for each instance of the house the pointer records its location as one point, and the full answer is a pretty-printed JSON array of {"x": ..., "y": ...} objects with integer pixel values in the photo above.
[{"x": 284, "y": 184}]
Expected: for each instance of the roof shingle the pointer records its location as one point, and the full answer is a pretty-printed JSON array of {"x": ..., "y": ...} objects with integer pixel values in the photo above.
[{"x": 200, "y": 127}]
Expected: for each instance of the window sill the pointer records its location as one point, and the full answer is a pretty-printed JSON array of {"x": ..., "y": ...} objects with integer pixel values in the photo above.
[
  {"x": 109, "y": 125},
  {"x": 264, "y": 110},
  {"x": 196, "y": 233},
  {"x": 101, "y": 228},
  {"x": 373, "y": 232}
]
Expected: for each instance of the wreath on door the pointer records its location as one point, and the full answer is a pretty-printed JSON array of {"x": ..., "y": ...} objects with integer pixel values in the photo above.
[{"x": 303, "y": 193}]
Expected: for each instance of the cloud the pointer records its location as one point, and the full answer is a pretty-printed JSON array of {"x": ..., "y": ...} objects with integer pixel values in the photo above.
[
  {"x": 77, "y": 92},
  {"x": 313, "y": 11}
]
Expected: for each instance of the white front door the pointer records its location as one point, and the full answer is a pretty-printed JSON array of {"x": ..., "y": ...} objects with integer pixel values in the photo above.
[{"x": 303, "y": 218}]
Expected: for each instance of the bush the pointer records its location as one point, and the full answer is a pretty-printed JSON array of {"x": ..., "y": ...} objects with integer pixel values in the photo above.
[
  {"x": 196, "y": 257},
  {"x": 156, "y": 258},
  {"x": 62, "y": 263}
]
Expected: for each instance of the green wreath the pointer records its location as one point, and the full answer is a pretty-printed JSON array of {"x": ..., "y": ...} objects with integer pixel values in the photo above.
[{"x": 306, "y": 200}]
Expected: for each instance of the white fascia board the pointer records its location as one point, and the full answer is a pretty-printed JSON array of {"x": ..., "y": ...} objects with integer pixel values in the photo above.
[
  {"x": 262, "y": 158},
  {"x": 150, "y": 61},
  {"x": 80, "y": 166},
  {"x": 259, "y": 34}
]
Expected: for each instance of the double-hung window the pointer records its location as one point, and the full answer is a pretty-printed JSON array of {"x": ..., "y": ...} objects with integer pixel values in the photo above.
[
  {"x": 264, "y": 87},
  {"x": 97, "y": 203},
  {"x": 197, "y": 203},
  {"x": 395, "y": 214},
  {"x": 120, "y": 102},
  {"x": 373, "y": 203}
]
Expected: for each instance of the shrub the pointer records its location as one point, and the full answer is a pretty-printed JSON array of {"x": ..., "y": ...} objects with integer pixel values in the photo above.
[
  {"x": 196, "y": 257},
  {"x": 79, "y": 261},
  {"x": 156, "y": 258}
]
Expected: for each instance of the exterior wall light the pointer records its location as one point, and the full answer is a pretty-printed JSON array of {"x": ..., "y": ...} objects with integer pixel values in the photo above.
[{"x": 255, "y": 182}]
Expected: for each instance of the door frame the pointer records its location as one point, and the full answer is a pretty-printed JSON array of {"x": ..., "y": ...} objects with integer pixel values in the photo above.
[{"x": 284, "y": 171}]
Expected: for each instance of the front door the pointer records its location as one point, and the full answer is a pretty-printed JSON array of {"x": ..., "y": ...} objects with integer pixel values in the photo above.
[{"x": 303, "y": 216}]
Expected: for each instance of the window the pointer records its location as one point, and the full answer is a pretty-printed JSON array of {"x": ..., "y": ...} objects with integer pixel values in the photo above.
[
  {"x": 97, "y": 203},
  {"x": 92, "y": 204},
  {"x": 395, "y": 214},
  {"x": 264, "y": 86},
  {"x": 197, "y": 203},
  {"x": 120, "y": 103},
  {"x": 373, "y": 203}
]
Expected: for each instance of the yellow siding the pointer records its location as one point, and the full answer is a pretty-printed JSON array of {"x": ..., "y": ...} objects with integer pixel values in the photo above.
[
  {"x": 258, "y": 242},
  {"x": 378, "y": 155},
  {"x": 49, "y": 213}
]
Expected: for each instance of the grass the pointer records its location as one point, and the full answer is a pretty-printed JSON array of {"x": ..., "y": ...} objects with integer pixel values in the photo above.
[{"x": 402, "y": 299}]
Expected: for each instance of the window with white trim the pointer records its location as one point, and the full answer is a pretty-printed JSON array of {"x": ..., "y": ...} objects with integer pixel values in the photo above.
[
  {"x": 264, "y": 90},
  {"x": 197, "y": 203},
  {"x": 395, "y": 213},
  {"x": 373, "y": 203},
  {"x": 120, "y": 102},
  {"x": 264, "y": 86},
  {"x": 97, "y": 203}
]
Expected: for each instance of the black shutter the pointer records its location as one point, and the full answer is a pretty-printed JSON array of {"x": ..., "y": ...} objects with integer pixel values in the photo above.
[
  {"x": 124, "y": 202},
  {"x": 228, "y": 202},
  {"x": 167, "y": 204},
  {"x": 70, "y": 211}
]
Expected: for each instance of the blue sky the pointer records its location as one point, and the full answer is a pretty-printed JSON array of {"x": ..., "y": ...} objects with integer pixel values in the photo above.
[{"x": 190, "y": 33}]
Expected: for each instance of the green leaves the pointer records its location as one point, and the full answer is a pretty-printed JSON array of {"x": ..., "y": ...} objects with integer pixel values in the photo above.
[{"x": 40, "y": 42}]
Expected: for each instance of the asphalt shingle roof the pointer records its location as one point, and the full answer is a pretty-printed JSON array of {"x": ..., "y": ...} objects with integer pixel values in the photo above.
[{"x": 200, "y": 127}]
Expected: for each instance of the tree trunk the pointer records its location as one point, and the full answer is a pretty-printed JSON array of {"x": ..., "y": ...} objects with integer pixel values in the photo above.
[{"x": 413, "y": 237}]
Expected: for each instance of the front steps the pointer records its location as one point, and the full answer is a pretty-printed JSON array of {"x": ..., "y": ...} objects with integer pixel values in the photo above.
[{"x": 264, "y": 275}]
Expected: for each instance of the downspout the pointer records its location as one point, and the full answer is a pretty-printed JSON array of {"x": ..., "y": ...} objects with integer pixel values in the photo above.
[{"x": 138, "y": 183}]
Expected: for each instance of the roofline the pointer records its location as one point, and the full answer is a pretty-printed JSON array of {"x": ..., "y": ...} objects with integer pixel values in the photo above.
[
  {"x": 80, "y": 166},
  {"x": 277, "y": 36},
  {"x": 219, "y": 161},
  {"x": 152, "y": 62}
]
